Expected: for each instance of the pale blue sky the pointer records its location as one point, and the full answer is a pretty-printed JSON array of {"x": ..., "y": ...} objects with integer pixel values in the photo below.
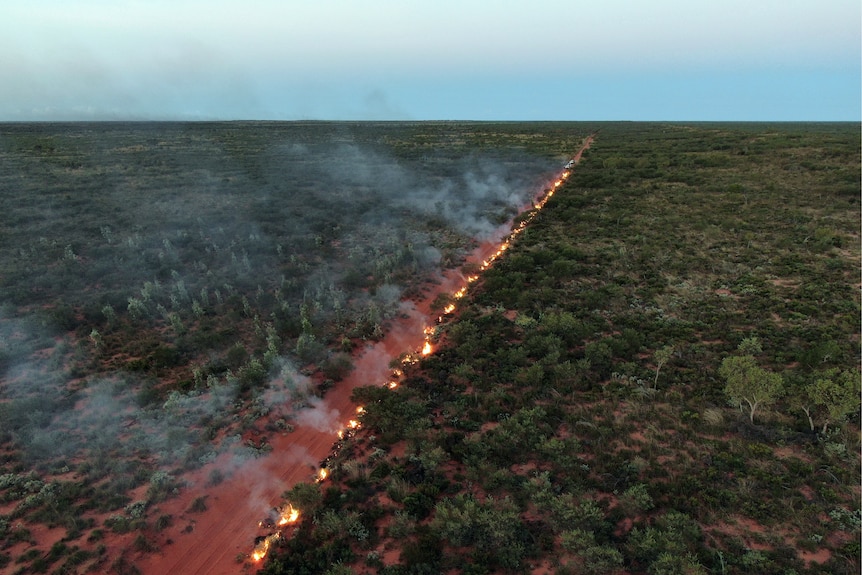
[{"x": 443, "y": 59}]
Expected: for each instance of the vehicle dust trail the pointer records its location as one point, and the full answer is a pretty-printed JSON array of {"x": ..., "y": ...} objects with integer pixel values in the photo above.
[{"x": 220, "y": 540}]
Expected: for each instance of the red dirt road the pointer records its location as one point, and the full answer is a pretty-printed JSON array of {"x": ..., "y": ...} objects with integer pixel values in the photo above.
[
  {"x": 223, "y": 536},
  {"x": 219, "y": 540}
]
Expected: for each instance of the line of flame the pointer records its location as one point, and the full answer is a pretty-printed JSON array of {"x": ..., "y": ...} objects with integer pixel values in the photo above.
[
  {"x": 290, "y": 514},
  {"x": 427, "y": 347}
]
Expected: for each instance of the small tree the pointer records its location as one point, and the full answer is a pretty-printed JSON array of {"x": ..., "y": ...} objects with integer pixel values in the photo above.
[
  {"x": 832, "y": 397},
  {"x": 750, "y": 346},
  {"x": 96, "y": 339},
  {"x": 749, "y": 383},
  {"x": 304, "y": 496},
  {"x": 802, "y": 399},
  {"x": 838, "y": 394},
  {"x": 662, "y": 356}
]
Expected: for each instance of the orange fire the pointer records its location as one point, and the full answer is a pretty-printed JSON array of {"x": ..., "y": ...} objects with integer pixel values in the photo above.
[
  {"x": 262, "y": 548},
  {"x": 393, "y": 384},
  {"x": 288, "y": 515},
  {"x": 321, "y": 474},
  {"x": 426, "y": 349},
  {"x": 449, "y": 308}
]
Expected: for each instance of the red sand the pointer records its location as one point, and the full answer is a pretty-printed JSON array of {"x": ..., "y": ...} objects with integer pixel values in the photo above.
[
  {"x": 221, "y": 538},
  {"x": 226, "y": 531}
]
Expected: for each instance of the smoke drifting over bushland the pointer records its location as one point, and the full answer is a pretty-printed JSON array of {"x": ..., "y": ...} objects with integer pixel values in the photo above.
[
  {"x": 106, "y": 423},
  {"x": 474, "y": 193},
  {"x": 320, "y": 417},
  {"x": 176, "y": 223},
  {"x": 167, "y": 288}
]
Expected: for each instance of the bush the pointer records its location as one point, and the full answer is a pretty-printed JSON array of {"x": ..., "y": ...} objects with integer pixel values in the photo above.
[
  {"x": 199, "y": 505},
  {"x": 337, "y": 366},
  {"x": 599, "y": 354}
]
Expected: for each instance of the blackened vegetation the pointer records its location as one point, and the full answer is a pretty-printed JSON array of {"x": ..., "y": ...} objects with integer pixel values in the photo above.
[{"x": 578, "y": 418}]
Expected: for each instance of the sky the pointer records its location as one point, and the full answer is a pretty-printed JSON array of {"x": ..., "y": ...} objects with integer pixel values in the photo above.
[{"x": 678, "y": 60}]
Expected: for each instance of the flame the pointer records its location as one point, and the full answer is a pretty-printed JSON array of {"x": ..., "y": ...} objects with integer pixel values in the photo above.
[
  {"x": 449, "y": 308},
  {"x": 360, "y": 410},
  {"x": 393, "y": 384},
  {"x": 353, "y": 424},
  {"x": 288, "y": 515},
  {"x": 426, "y": 349},
  {"x": 262, "y": 548},
  {"x": 321, "y": 474}
]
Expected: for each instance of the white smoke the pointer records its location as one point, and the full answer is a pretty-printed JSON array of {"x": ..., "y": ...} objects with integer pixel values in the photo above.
[{"x": 320, "y": 417}]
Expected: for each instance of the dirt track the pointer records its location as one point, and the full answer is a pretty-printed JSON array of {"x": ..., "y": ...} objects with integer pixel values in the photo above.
[{"x": 226, "y": 531}]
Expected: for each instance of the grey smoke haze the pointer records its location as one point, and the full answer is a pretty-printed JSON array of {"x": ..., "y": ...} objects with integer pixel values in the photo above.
[
  {"x": 205, "y": 193},
  {"x": 49, "y": 415},
  {"x": 733, "y": 60},
  {"x": 275, "y": 217},
  {"x": 320, "y": 417},
  {"x": 106, "y": 420},
  {"x": 474, "y": 193}
]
